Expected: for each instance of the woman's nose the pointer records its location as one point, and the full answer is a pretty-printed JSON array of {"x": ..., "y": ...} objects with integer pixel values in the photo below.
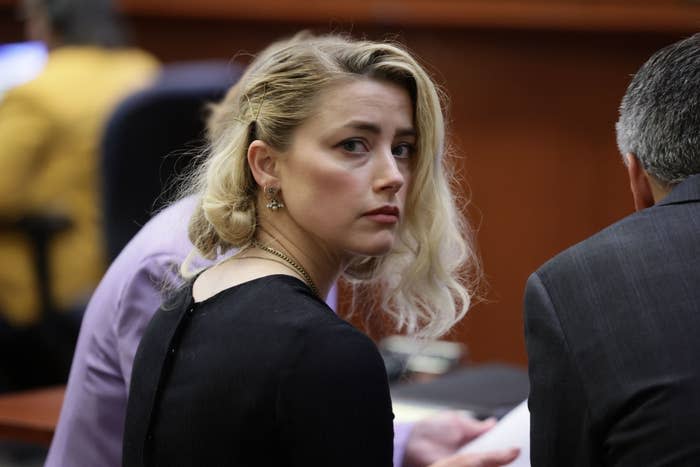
[{"x": 389, "y": 174}]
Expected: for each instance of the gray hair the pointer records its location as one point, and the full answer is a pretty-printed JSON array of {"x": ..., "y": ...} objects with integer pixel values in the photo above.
[{"x": 660, "y": 113}]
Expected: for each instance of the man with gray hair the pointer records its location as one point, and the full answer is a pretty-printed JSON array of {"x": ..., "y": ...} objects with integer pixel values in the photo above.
[{"x": 612, "y": 323}]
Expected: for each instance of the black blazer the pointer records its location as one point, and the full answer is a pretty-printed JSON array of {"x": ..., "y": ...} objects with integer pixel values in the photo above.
[{"x": 613, "y": 335}]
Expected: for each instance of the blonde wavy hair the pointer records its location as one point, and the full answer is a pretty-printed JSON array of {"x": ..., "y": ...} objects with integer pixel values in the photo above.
[{"x": 426, "y": 282}]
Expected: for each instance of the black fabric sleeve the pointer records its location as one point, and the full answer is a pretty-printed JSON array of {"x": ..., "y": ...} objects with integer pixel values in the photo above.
[
  {"x": 558, "y": 411},
  {"x": 333, "y": 405}
]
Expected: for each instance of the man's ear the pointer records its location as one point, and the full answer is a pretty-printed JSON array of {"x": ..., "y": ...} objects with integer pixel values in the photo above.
[
  {"x": 262, "y": 160},
  {"x": 639, "y": 183}
]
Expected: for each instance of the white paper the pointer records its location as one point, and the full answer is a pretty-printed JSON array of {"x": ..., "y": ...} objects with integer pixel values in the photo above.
[{"x": 513, "y": 430}]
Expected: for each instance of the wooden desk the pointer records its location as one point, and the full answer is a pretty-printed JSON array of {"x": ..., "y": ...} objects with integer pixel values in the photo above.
[{"x": 30, "y": 416}]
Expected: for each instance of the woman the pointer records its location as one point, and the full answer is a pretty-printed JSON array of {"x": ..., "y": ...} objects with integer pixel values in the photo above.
[{"x": 326, "y": 160}]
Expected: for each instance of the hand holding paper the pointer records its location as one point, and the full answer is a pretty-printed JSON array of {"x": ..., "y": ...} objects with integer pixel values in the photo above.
[{"x": 512, "y": 430}]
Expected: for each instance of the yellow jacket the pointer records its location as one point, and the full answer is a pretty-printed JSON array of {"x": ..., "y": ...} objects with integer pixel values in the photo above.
[{"x": 50, "y": 131}]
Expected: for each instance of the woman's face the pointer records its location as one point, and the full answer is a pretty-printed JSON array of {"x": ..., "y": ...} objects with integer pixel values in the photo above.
[{"x": 345, "y": 176}]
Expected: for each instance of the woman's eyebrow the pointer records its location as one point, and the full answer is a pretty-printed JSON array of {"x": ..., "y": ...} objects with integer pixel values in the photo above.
[
  {"x": 407, "y": 132},
  {"x": 373, "y": 128}
]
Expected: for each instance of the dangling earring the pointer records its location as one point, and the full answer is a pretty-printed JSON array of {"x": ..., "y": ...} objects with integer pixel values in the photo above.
[{"x": 273, "y": 203}]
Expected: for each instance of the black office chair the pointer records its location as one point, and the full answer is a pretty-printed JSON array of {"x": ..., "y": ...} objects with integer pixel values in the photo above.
[
  {"x": 42, "y": 351},
  {"x": 150, "y": 138}
]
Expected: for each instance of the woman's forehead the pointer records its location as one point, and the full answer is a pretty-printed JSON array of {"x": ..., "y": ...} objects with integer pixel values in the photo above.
[{"x": 364, "y": 101}]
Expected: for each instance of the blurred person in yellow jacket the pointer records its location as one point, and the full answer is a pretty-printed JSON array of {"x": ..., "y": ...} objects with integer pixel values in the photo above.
[{"x": 50, "y": 131}]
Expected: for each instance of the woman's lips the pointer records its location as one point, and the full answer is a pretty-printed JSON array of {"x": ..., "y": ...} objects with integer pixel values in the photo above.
[{"x": 384, "y": 215}]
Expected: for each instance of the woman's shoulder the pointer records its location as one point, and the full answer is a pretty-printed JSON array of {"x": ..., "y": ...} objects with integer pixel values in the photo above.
[
  {"x": 339, "y": 358},
  {"x": 288, "y": 304}
]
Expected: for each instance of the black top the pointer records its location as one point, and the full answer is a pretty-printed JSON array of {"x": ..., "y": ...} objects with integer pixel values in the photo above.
[{"x": 263, "y": 373}]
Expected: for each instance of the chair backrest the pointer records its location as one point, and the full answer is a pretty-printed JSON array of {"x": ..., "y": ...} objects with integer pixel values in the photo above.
[{"x": 150, "y": 137}]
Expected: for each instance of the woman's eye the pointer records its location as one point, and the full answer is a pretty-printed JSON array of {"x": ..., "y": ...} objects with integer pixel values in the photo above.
[
  {"x": 354, "y": 146},
  {"x": 403, "y": 151}
]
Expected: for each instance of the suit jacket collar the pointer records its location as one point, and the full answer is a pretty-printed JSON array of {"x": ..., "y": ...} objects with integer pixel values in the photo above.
[{"x": 686, "y": 192}]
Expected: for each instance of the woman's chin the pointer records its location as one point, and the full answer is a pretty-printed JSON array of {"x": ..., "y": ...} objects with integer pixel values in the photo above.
[{"x": 379, "y": 248}]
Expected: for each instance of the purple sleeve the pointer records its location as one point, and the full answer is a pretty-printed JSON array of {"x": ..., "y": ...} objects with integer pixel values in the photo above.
[
  {"x": 401, "y": 433},
  {"x": 90, "y": 426},
  {"x": 89, "y": 430},
  {"x": 139, "y": 300}
]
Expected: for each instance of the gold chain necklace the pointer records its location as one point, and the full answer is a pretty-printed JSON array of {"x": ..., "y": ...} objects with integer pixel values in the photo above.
[{"x": 292, "y": 262}]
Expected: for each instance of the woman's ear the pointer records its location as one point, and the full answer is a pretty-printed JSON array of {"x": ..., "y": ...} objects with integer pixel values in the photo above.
[
  {"x": 639, "y": 183},
  {"x": 262, "y": 160}
]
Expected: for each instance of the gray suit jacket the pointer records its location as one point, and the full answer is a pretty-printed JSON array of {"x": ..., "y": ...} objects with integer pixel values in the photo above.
[{"x": 613, "y": 336}]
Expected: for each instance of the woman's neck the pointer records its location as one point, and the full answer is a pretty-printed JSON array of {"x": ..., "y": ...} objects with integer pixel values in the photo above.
[{"x": 311, "y": 255}]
